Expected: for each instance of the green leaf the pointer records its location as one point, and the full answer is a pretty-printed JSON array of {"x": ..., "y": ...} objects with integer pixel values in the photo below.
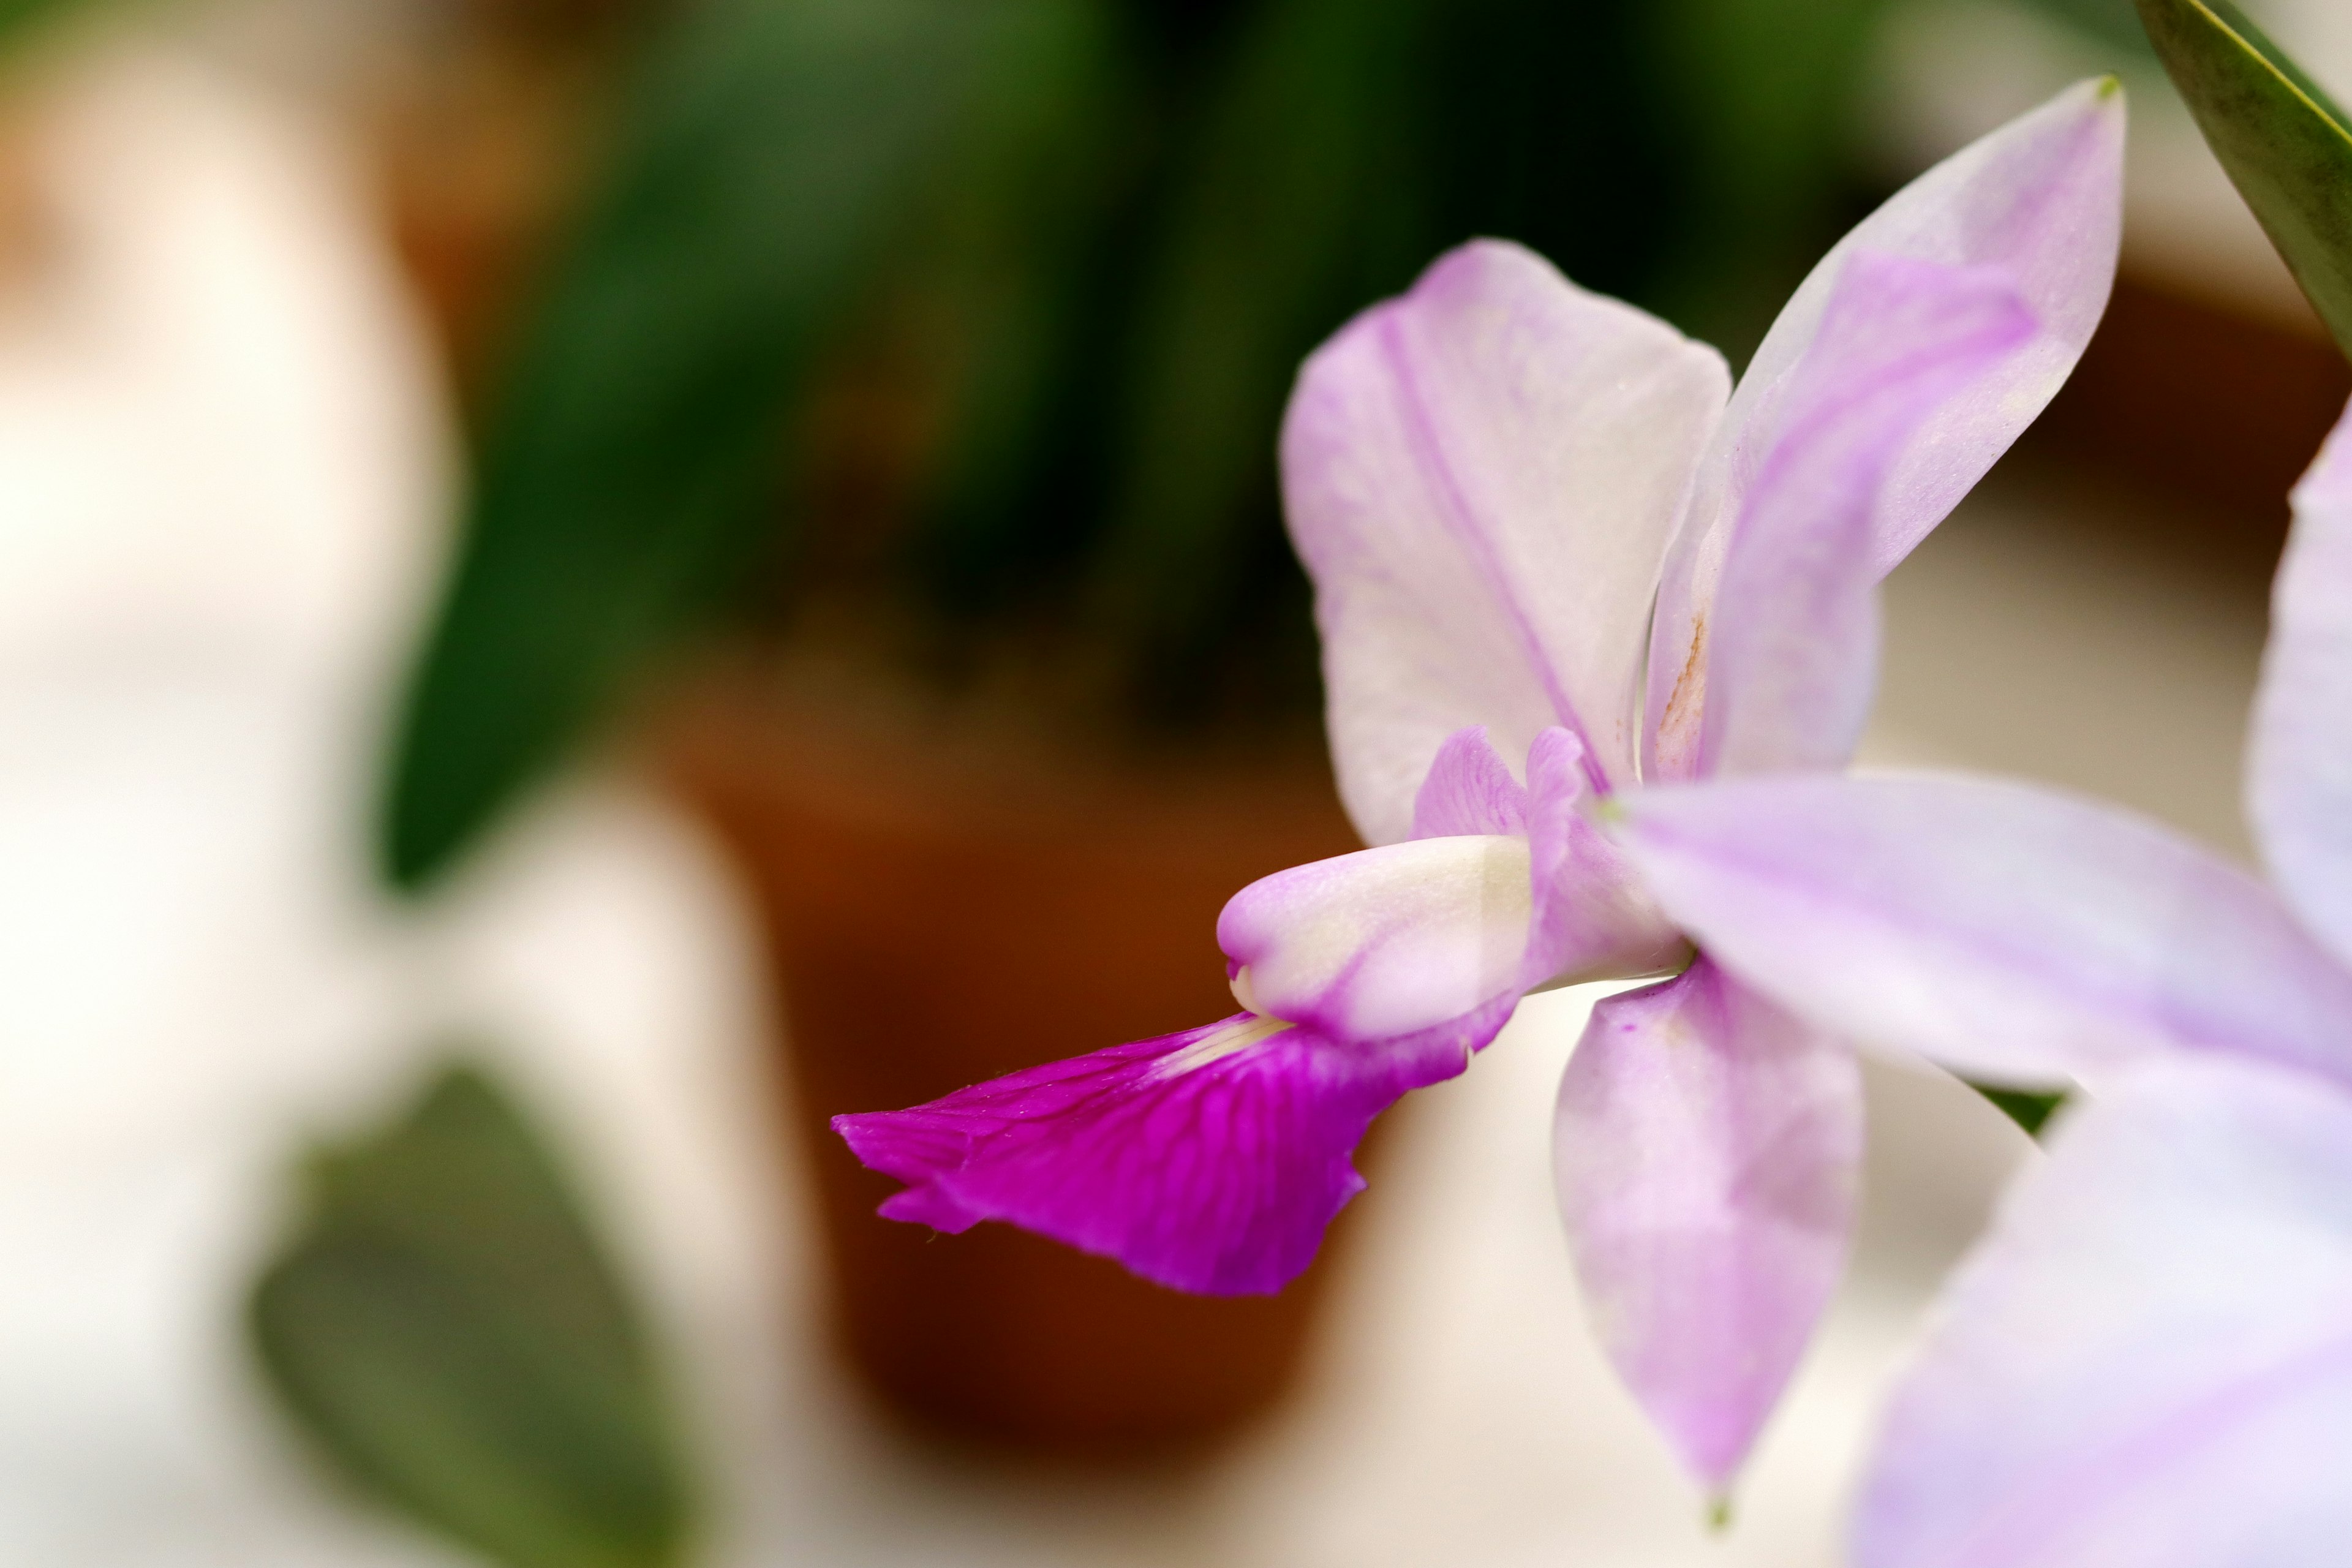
[
  {"x": 1760, "y": 99},
  {"x": 1301, "y": 164},
  {"x": 2286, "y": 146},
  {"x": 773, "y": 156},
  {"x": 1018, "y": 281},
  {"x": 2029, "y": 1109},
  {"x": 444, "y": 1328},
  {"x": 2108, "y": 21}
]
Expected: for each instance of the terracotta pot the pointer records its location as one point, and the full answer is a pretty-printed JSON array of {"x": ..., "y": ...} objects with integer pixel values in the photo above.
[
  {"x": 2210, "y": 410},
  {"x": 942, "y": 911}
]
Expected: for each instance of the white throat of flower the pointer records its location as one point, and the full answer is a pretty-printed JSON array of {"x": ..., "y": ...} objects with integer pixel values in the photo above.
[{"x": 1230, "y": 1039}]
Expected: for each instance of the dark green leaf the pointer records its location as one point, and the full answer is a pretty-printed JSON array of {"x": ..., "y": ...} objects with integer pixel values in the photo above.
[
  {"x": 1017, "y": 278},
  {"x": 2028, "y": 1108},
  {"x": 2109, "y": 21},
  {"x": 776, "y": 153},
  {"x": 2283, "y": 142},
  {"x": 1303, "y": 160},
  {"x": 444, "y": 1328},
  {"x": 1761, "y": 97}
]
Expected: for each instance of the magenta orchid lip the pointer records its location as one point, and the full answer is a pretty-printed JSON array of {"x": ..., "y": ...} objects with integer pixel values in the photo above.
[{"x": 1559, "y": 558}]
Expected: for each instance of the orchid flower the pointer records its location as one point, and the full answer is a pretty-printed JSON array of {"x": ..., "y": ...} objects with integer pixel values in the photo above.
[
  {"x": 1557, "y": 556},
  {"x": 2148, "y": 1361}
]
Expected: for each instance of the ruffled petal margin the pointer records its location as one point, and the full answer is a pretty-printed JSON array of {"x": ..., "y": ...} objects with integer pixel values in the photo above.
[{"x": 1209, "y": 1161}]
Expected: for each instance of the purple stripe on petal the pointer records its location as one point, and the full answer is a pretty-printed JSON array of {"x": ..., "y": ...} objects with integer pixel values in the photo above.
[
  {"x": 2299, "y": 769},
  {"x": 1706, "y": 1147},
  {"x": 1469, "y": 790},
  {"x": 1210, "y": 1161},
  {"x": 2004, "y": 931},
  {"x": 2041, "y": 198},
  {"x": 1480, "y": 477},
  {"x": 2148, "y": 1362},
  {"x": 1787, "y": 677}
]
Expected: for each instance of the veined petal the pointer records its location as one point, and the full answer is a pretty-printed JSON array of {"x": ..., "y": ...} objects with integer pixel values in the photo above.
[
  {"x": 1209, "y": 1161},
  {"x": 1480, "y": 477},
  {"x": 1469, "y": 790},
  {"x": 2299, "y": 773},
  {"x": 2042, "y": 199},
  {"x": 2005, "y": 931},
  {"x": 1708, "y": 1147},
  {"x": 1383, "y": 942},
  {"x": 2149, "y": 1363},
  {"x": 1792, "y": 662},
  {"x": 1593, "y": 917}
]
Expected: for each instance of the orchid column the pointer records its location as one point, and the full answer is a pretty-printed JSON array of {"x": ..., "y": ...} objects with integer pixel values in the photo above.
[{"x": 1557, "y": 556}]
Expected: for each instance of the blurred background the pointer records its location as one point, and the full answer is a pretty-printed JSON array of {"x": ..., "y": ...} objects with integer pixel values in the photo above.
[{"x": 584, "y": 584}]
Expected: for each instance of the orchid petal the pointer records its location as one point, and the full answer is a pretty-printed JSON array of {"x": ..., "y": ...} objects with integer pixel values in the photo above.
[
  {"x": 2299, "y": 773},
  {"x": 1384, "y": 942},
  {"x": 2042, "y": 199},
  {"x": 1707, "y": 1151},
  {"x": 1445, "y": 935},
  {"x": 1792, "y": 660},
  {"x": 2148, "y": 1363},
  {"x": 2007, "y": 932},
  {"x": 1469, "y": 790},
  {"x": 1480, "y": 477},
  {"x": 1209, "y": 1161},
  {"x": 1593, "y": 918}
]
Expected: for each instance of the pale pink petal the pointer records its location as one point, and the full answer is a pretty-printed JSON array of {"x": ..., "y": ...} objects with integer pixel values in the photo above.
[
  {"x": 1791, "y": 658},
  {"x": 2149, "y": 1363},
  {"x": 1480, "y": 477},
  {"x": 1593, "y": 919},
  {"x": 1469, "y": 790},
  {"x": 1706, "y": 1147},
  {"x": 1209, "y": 1161},
  {"x": 2040, "y": 198},
  {"x": 2008, "y": 932},
  {"x": 1447, "y": 934},
  {"x": 1384, "y": 942},
  {"x": 2299, "y": 773}
]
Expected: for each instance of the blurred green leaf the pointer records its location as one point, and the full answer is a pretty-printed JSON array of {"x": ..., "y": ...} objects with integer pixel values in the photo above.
[
  {"x": 2109, "y": 21},
  {"x": 1761, "y": 100},
  {"x": 1304, "y": 161},
  {"x": 776, "y": 152},
  {"x": 2029, "y": 1109},
  {"x": 445, "y": 1327},
  {"x": 1019, "y": 274},
  {"x": 2286, "y": 146}
]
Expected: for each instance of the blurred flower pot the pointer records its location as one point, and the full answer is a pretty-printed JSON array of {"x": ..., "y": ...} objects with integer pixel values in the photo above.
[
  {"x": 942, "y": 906},
  {"x": 484, "y": 117}
]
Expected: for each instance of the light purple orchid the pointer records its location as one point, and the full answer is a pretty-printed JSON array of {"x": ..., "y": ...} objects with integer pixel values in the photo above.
[
  {"x": 1557, "y": 556},
  {"x": 2147, "y": 1363}
]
